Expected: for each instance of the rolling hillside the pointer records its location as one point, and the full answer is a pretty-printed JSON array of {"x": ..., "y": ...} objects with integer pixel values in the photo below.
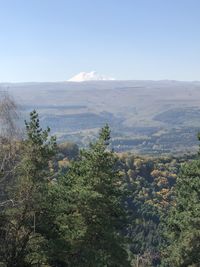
[{"x": 145, "y": 116}]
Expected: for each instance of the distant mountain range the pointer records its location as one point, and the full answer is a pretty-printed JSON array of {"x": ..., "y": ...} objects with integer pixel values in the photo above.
[{"x": 154, "y": 117}]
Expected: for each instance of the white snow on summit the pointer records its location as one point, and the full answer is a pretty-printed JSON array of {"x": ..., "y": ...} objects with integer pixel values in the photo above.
[{"x": 89, "y": 76}]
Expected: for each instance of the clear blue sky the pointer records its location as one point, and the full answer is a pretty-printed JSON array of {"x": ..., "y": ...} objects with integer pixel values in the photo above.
[{"x": 51, "y": 40}]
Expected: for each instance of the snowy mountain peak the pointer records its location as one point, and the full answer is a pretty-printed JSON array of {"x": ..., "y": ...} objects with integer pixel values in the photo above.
[{"x": 89, "y": 76}]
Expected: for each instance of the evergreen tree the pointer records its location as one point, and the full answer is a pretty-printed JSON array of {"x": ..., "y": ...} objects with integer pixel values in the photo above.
[
  {"x": 88, "y": 215},
  {"x": 101, "y": 205},
  {"x": 183, "y": 223},
  {"x": 21, "y": 242}
]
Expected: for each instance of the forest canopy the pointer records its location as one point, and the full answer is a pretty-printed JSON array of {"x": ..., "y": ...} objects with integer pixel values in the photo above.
[{"x": 61, "y": 205}]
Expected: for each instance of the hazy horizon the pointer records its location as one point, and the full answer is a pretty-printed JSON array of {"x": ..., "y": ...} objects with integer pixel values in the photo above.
[{"x": 103, "y": 81}]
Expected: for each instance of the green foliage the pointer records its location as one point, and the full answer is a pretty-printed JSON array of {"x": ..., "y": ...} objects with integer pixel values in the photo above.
[
  {"x": 86, "y": 213},
  {"x": 101, "y": 205},
  {"x": 21, "y": 244},
  {"x": 183, "y": 224},
  {"x": 150, "y": 182},
  {"x": 92, "y": 207},
  {"x": 68, "y": 150}
]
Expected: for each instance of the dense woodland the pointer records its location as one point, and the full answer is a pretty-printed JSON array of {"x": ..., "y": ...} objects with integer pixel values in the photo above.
[{"x": 63, "y": 206}]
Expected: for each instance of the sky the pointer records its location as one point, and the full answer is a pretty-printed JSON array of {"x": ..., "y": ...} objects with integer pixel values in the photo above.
[{"x": 52, "y": 40}]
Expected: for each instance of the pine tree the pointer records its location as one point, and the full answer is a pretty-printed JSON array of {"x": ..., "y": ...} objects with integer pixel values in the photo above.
[
  {"x": 183, "y": 223},
  {"x": 100, "y": 196},
  {"x": 85, "y": 211},
  {"x": 21, "y": 241},
  {"x": 101, "y": 205}
]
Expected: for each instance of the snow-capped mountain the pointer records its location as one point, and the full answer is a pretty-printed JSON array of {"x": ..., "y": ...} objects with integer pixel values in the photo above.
[{"x": 89, "y": 76}]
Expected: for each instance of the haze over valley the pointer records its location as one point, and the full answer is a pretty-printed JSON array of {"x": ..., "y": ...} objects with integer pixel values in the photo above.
[{"x": 148, "y": 117}]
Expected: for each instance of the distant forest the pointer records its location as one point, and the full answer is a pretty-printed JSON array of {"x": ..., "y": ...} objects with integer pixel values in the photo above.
[{"x": 66, "y": 206}]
